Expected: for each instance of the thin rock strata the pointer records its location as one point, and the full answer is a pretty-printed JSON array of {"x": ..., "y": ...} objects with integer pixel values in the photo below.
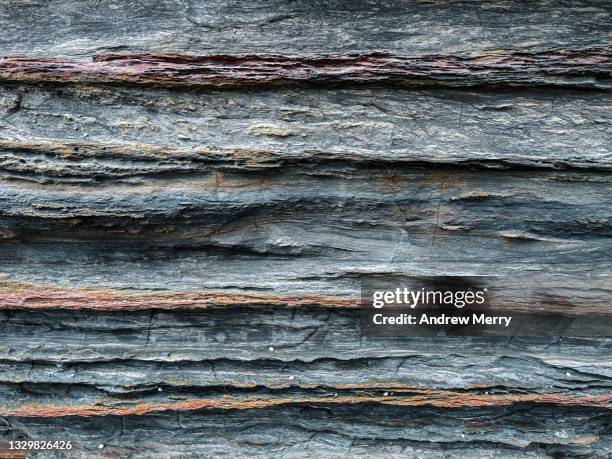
[
  {"x": 337, "y": 431},
  {"x": 582, "y": 68},
  {"x": 191, "y": 192}
]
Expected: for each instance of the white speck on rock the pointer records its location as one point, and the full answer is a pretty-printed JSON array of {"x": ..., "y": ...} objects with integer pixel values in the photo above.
[{"x": 220, "y": 337}]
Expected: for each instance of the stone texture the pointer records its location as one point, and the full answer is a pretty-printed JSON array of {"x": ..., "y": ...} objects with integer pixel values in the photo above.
[{"x": 191, "y": 190}]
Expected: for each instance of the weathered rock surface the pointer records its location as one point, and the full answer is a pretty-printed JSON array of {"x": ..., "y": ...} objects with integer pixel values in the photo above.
[
  {"x": 191, "y": 190},
  {"x": 71, "y": 29}
]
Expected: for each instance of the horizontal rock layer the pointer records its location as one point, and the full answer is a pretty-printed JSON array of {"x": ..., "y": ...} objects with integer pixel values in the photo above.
[
  {"x": 86, "y": 133},
  {"x": 583, "y": 68},
  {"x": 67, "y": 28},
  {"x": 337, "y": 431},
  {"x": 244, "y": 334},
  {"x": 536, "y": 396}
]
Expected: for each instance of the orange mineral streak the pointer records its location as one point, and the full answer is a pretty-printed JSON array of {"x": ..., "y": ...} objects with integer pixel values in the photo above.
[
  {"x": 15, "y": 295},
  {"x": 20, "y": 295},
  {"x": 8, "y": 454},
  {"x": 438, "y": 399}
]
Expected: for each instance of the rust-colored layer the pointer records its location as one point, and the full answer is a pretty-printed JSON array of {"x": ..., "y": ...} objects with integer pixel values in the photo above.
[
  {"x": 12, "y": 454},
  {"x": 21, "y": 295},
  {"x": 438, "y": 399},
  {"x": 6, "y": 453},
  {"x": 496, "y": 67},
  {"x": 244, "y": 157},
  {"x": 28, "y": 296}
]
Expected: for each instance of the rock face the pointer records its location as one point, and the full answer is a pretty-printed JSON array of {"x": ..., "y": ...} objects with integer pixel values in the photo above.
[{"x": 191, "y": 190}]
